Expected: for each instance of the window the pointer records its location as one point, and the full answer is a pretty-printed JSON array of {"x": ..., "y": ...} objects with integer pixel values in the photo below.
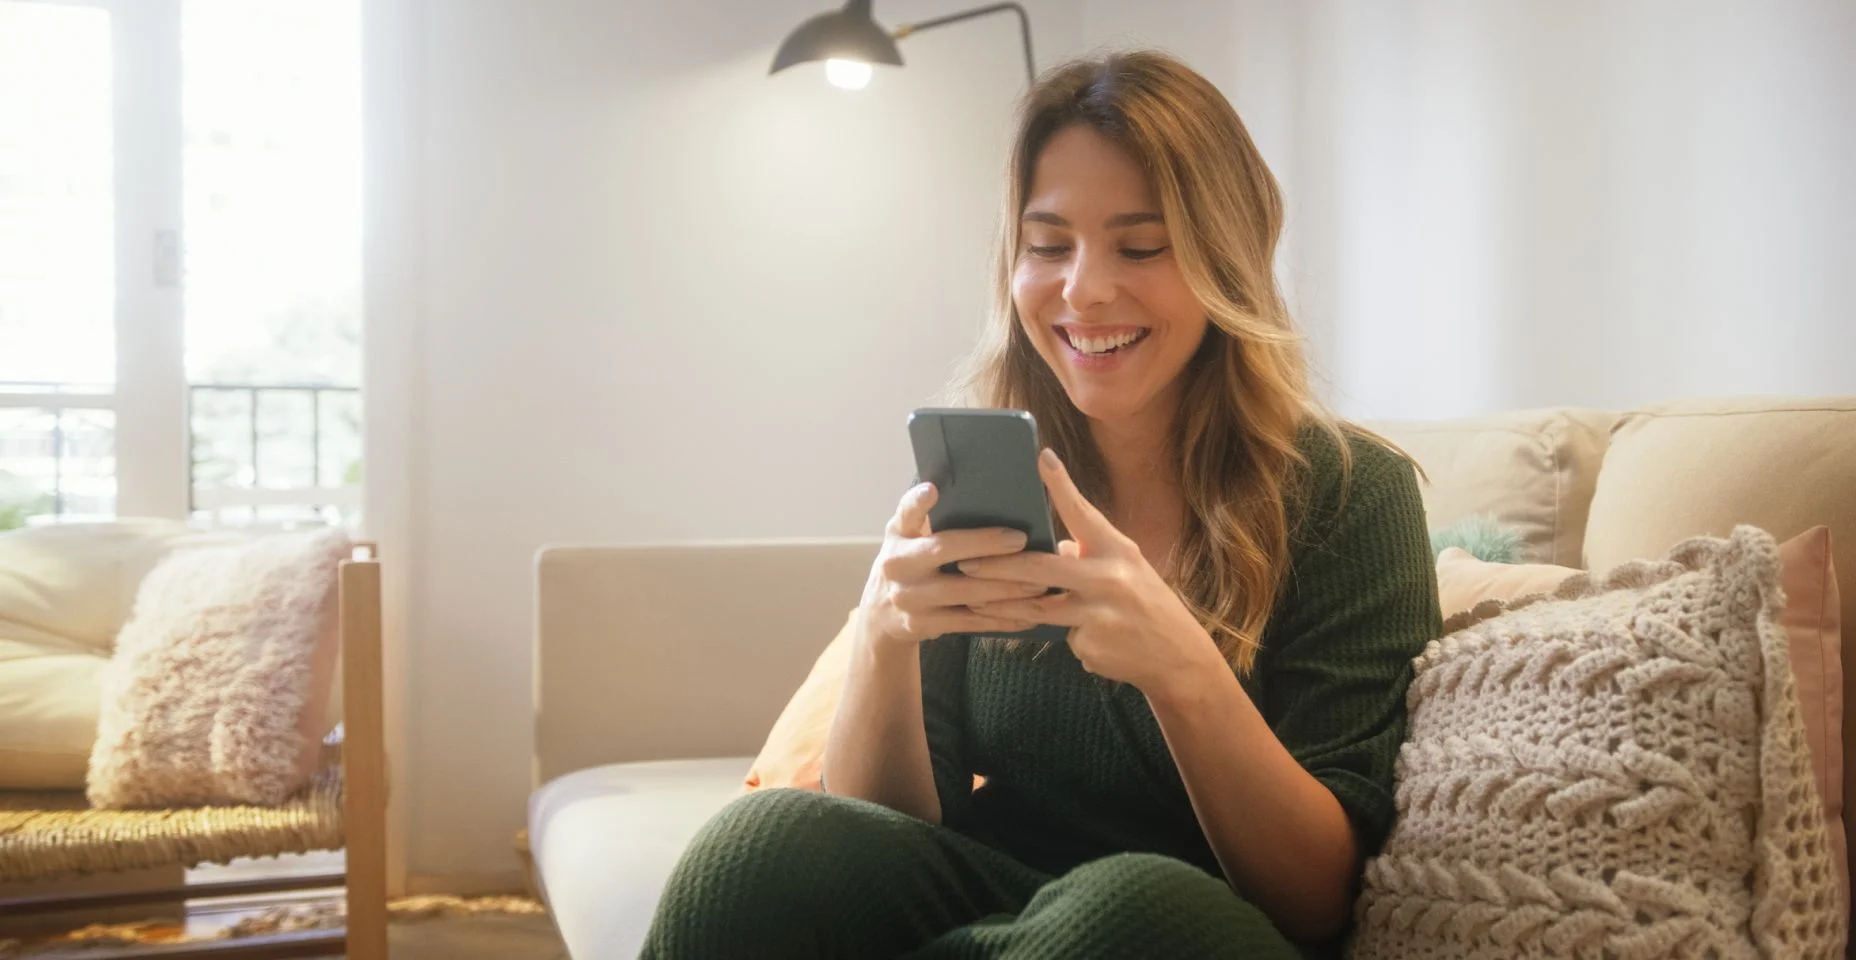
[
  {"x": 57, "y": 227},
  {"x": 180, "y": 260}
]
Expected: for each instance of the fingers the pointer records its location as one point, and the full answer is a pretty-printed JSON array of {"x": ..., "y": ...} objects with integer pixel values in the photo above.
[
  {"x": 919, "y": 557},
  {"x": 1033, "y": 566},
  {"x": 940, "y": 621},
  {"x": 954, "y": 590},
  {"x": 1070, "y": 548},
  {"x": 1080, "y": 516},
  {"x": 1061, "y": 609},
  {"x": 953, "y": 546},
  {"x": 964, "y": 622},
  {"x": 911, "y": 518}
]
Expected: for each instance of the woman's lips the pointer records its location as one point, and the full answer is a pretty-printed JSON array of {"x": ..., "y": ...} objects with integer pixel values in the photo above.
[{"x": 1097, "y": 337}]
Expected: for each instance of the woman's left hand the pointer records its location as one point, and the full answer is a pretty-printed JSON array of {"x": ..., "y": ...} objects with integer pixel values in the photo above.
[{"x": 1125, "y": 622}]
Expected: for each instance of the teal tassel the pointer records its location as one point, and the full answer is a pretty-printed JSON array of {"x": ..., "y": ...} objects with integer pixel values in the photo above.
[{"x": 1483, "y": 536}]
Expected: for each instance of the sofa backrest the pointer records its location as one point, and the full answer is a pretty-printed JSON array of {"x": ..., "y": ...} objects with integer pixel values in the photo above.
[
  {"x": 688, "y": 650},
  {"x": 1592, "y": 488},
  {"x": 1535, "y": 470},
  {"x": 1700, "y": 467}
]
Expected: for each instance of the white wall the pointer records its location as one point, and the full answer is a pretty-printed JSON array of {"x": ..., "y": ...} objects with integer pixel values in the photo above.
[
  {"x": 626, "y": 287},
  {"x": 1511, "y": 204}
]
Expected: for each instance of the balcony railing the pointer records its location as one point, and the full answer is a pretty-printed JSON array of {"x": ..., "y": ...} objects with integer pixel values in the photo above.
[
  {"x": 57, "y": 451},
  {"x": 256, "y": 452},
  {"x": 276, "y": 419}
]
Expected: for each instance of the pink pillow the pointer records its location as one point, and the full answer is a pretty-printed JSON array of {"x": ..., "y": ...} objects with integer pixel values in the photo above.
[
  {"x": 1813, "y": 632},
  {"x": 1464, "y": 581}
]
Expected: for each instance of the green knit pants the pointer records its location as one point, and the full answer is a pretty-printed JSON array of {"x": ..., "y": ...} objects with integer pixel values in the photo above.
[{"x": 796, "y": 874}]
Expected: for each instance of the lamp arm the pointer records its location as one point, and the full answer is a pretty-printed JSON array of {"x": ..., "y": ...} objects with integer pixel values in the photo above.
[{"x": 1024, "y": 29}]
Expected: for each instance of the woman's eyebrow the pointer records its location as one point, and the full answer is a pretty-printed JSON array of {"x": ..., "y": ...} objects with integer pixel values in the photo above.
[
  {"x": 1133, "y": 219},
  {"x": 1114, "y": 223}
]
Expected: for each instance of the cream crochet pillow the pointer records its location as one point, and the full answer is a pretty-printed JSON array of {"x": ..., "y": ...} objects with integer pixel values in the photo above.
[
  {"x": 1618, "y": 770},
  {"x": 228, "y": 651}
]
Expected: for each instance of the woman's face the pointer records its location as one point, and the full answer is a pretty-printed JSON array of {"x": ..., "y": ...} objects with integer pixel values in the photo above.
[{"x": 1096, "y": 284}]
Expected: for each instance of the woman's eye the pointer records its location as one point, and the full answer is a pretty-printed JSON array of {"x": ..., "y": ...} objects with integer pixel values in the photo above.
[
  {"x": 1139, "y": 254},
  {"x": 1057, "y": 250}
]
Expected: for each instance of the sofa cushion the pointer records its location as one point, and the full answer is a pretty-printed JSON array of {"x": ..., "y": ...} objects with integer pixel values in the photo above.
[
  {"x": 1617, "y": 770},
  {"x": 1532, "y": 470},
  {"x": 48, "y": 717},
  {"x": 1699, "y": 467},
  {"x": 605, "y": 839},
  {"x": 72, "y": 585},
  {"x": 65, "y": 591}
]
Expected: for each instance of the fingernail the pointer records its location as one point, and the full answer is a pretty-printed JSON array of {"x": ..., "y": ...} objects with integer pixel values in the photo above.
[
  {"x": 1016, "y": 539},
  {"x": 1049, "y": 458}
]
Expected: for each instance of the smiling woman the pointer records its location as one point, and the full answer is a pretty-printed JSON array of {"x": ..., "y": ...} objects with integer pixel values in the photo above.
[
  {"x": 1139, "y": 204},
  {"x": 1200, "y": 767}
]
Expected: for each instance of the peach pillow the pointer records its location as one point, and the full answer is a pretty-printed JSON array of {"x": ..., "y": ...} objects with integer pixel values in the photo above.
[
  {"x": 796, "y": 745},
  {"x": 1813, "y": 630}
]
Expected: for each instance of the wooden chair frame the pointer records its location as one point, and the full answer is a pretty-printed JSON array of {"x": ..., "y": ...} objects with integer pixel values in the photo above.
[{"x": 364, "y": 815}]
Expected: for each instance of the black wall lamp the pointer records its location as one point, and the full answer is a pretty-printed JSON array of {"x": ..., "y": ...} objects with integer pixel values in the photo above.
[{"x": 850, "y": 41}]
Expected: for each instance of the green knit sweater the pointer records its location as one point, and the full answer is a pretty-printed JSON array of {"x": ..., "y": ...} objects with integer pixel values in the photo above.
[{"x": 1076, "y": 767}]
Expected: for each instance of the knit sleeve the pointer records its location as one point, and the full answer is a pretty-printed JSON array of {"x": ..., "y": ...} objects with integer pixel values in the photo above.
[
  {"x": 944, "y": 693},
  {"x": 1360, "y": 604}
]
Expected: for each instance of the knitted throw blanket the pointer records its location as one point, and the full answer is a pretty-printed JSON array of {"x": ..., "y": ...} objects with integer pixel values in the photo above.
[{"x": 1617, "y": 771}]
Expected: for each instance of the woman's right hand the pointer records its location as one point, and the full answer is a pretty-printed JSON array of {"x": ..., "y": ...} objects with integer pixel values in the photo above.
[{"x": 908, "y": 599}]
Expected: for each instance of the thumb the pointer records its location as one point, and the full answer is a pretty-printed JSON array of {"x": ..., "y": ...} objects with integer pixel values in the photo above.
[{"x": 911, "y": 517}]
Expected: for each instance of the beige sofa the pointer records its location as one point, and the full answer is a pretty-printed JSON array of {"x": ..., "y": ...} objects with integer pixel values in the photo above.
[{"x": 659, "y": 669}]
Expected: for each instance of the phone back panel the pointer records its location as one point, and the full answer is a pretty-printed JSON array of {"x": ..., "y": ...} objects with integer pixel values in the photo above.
[{"x": 984, "y": 465}]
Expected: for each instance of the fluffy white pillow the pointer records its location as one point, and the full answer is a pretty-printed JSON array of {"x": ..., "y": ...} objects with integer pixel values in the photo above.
[
  {"x": 1618, "y": 770},
  {"x": 204, "y": 698}
]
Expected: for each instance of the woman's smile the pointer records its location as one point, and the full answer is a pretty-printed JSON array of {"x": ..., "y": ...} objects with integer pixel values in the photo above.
[{"x": 1097, "y": 348}]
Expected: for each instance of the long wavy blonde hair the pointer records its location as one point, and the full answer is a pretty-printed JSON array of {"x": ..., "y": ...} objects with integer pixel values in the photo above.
[{"x": 1247, "y": 394}]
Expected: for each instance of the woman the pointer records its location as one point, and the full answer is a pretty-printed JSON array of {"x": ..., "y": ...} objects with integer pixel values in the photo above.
[{"x": 1202, "y": 767}]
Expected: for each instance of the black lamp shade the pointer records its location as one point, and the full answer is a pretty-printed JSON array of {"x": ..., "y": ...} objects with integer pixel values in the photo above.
[{"x": 847, "y": 34}]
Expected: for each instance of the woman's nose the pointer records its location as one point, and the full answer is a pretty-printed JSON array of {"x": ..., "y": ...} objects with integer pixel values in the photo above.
[{"x": 1091, "y": 281}]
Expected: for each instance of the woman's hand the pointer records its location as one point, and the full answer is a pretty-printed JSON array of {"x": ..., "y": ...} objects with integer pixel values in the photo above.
[
  {"x": 908, "y": 599},
  {"x": 1125, "y": 622}
]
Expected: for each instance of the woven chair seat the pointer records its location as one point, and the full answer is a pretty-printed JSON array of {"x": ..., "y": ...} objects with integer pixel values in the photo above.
[{"x": 57, "y": 834}]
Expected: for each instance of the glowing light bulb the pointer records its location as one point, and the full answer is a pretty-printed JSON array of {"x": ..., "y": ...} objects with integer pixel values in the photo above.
[{"x": 848, "y": 74}]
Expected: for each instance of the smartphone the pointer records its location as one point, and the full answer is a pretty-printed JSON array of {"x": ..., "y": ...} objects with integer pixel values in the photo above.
[{"x": 984, "y": 465}]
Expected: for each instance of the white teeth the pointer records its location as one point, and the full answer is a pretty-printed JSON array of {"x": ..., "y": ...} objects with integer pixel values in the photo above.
[{"x": 1103, "y": 344}]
